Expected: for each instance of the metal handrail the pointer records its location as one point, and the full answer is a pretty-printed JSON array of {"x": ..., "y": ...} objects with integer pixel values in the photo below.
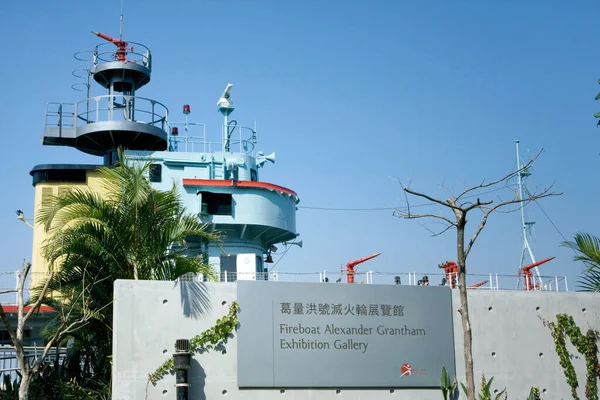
[
  {"x": 246, "y": 146},
  {"x": 60, "y": 115},
  {"x": 133, "y": 56},
  {"x": 184, "y": 142},
  {"x": 90, "y": 110},
  {"x": 492, "y": 281}
]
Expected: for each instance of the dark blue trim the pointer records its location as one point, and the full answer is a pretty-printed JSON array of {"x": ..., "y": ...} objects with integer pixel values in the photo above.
[{"x": 61, "y": 172}]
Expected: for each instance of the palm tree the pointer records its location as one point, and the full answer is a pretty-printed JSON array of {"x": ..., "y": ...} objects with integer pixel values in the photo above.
[
  {"x": 587, "y": 249},
  {"x": 128, "y": 230}
]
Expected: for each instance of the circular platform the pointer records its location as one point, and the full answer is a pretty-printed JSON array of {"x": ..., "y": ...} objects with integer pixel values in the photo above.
[
  {"x": 121, "y": 73},
  {"x": 99, "y": 137}
]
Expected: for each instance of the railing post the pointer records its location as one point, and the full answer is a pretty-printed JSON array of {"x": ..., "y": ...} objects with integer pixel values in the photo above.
[
  {"x": 225, "y": 275},
  {"x": 60, "y": 120},
  {"x": 74, "y": 116},
  {"x": 566, "y": 285},
  {"x": 324, "y": 274},
  {"x": 152, "y": 116},
  {"x": 491, "y": 282},
  {"x": 556, "y": 282}
]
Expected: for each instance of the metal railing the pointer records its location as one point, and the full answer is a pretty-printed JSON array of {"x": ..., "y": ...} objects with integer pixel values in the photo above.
[
  {"x": 490, "y": 281},
  {"x": 191, "y": 137},
  {"x": 121, "y": 107},
  {"x": 106, "y": 108},
  {"x": 61, "y": 116},
  {"x": 9, "y": 364},
  {"x": 135, "y": 53},
  {"x": 474, "y": 281},
  {"x": 9, "y": 281}
]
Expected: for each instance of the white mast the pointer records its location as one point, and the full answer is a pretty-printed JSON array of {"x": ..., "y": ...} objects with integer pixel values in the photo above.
[{"x": 525, "y": 225}]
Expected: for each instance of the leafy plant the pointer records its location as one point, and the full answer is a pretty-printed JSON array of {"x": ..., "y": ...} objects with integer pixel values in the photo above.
[
  {"x": 585, "y": 344},
  {"x": 587, "y": 250},
  {"x": 449, "y": 389},
  {"x": 10, "y": 390},
  {"x": 534, "y": 394},
  {"x": 207, "y": 339},
  {"x": 486, "y": 390},
  {"x": 125, "y": 229}
]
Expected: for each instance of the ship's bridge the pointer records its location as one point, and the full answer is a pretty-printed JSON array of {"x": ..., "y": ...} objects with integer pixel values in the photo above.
[{"x": 220, "y": 184}]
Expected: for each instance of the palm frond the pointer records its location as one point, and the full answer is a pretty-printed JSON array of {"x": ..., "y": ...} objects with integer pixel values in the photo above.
[{"x": 587, "y": 250}]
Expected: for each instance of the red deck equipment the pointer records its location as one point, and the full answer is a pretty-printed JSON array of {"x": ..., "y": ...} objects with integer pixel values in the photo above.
[
  {"x": 350, "y": 266},
  {"x": 527, "y": 274},
  {"x": 121, "y": 53}
]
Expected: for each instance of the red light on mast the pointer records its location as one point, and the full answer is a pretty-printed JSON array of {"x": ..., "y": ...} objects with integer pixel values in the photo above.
[
  {"x": 186, "y": 109},
  {"x": 174, "y": 131}
]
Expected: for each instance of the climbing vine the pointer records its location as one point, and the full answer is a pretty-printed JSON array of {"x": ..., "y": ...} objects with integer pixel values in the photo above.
[
  {"x": 206, "y": 340},
  {"x": 585, "y": 344}
]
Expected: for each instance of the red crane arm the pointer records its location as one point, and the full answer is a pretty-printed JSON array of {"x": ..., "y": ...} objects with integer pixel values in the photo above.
[
  {"x": 535, "y": 264},
  {"x": 121, "y": 53},
  {"x": 354, "y": 263},
  {"x": 110, "y": 39},
  {"x": 350, "y": 266},
  {"x": 475, "y": 286}
]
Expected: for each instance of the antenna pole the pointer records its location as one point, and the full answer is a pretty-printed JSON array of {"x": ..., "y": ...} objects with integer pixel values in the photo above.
[
  {"x": 524, "y": 224},
  {"x": 226, "y": 133},
  {"x": 89, "y": 85},
  {"x": 121, "y": 22}
]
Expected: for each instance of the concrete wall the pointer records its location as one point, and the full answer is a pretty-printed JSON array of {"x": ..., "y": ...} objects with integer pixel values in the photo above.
[{"x": 510, "y": 343}]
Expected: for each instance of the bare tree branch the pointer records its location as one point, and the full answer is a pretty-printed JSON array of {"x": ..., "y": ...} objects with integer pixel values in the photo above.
[
  {"x": 406, "y": 198},
  {"x": 43, "y": 292},
  {"x": 405, "y": 215},
  {"x": 428, "y": 198},
  {"x": 434, "y": 233},
  {"x": 545, "y": 193},
  {"x": 443, "y": 186},
  {"x": 460, "y": 209},
  {"x": 29, "y": 369},
  {"x": 65, "y": 327},
  {"x": 479, "y": 204},
  {"x": 7, "y": 324},
  {"x": 483, "y": 185},
  {"x": 448, "y": 227}
]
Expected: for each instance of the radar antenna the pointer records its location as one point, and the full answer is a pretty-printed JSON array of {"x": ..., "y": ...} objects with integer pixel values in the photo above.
[{"x": 225, "y": 107}]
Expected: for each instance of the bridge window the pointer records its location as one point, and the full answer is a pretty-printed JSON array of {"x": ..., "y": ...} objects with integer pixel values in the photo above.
[
  {"x": 253, "y": 175},
  {"x": 155, "y": 172},
  {"x": 216, "y": 203},
  {"x": 228, "y": 264}
]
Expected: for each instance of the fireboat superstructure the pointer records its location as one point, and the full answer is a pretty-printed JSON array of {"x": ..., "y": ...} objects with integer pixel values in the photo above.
[{"x": 219, "y": 181}]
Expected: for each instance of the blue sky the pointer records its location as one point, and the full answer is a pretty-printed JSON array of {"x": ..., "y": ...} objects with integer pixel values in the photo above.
[{"x": 348, "y": 94}]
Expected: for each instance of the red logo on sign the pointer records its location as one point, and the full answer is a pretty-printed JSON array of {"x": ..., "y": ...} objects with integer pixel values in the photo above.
[{"x": 406, "y": 370}]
